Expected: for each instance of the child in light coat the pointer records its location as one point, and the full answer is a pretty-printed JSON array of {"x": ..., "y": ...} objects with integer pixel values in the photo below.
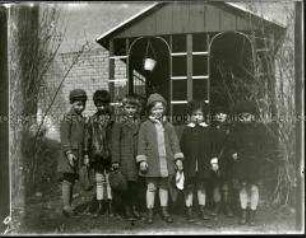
[{"x": 159, "y": 155}]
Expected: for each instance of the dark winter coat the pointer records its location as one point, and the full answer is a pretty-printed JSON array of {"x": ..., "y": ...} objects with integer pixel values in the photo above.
[
  {"x": 98, "y": 141},
  {"x": 148, "y": 148},
  {"x": 124, "y": 147},
  {"x": 195, "y": 147},
  {"x": 72, "y": 134},
  {"x": 219, "y": 143},
  {"x": 250, "y": 141}
]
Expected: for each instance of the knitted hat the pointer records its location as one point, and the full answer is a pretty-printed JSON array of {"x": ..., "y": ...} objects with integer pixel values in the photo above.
[
  {"x": 117, "y": 181},
  {"x": 155, "y": 97},
  {"x": 245, "y": 107},
  {"x": 77, "y": 95},
  {"x": 102, "y": 96}
]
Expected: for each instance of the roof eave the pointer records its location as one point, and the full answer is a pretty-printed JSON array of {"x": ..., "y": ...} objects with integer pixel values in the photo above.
[{"x": 105, "y": 36}]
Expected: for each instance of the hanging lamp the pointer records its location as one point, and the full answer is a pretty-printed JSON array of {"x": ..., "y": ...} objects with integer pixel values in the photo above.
[{"x": 149, "y": 60}]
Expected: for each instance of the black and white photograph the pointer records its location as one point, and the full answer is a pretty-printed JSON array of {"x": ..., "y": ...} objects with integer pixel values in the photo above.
[{"x": 152, "y": 118}]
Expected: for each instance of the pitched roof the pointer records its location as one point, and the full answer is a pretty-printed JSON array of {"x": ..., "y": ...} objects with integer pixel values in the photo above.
[{"x": 240, "y": 8}]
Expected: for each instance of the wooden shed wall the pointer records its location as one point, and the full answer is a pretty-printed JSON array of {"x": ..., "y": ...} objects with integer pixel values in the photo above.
[{"x": 186, "y": 17}]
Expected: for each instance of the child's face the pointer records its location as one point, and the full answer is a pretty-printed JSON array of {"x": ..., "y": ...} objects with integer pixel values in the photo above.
[
  {"x": 197, "y": 116},
  {"x": 78, "y": 106},
  {"x": 221, "y": 117},
  {"x": 102, "y": 107},
  {"x": 158, "y": 110},
  {"x": 245, "y": 117},
  {"x": 130, "y": 110}
]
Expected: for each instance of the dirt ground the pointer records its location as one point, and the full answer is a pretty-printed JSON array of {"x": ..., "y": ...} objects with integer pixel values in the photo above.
[{"x": 43, "y": 216}]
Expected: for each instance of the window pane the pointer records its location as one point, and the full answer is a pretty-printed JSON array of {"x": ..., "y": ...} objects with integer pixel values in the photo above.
[
  {"x": 117, "y": 90},
  {"x": 199, "y": 42},
  {"x": 119, "y": 47},
  {"x": 179, "y": 114},
  {"x": 179, "y": 43},
  {"x": 179, "y": 89},
  {"x": 199, "y": 89},
  {"x": 139, "y": 83},
  {"x": 179, "y": 66},
  {"x": 200, "y": 65}
]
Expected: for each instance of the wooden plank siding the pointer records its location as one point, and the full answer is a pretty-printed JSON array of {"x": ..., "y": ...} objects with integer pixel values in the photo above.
[{"x": 184, "y": 18}]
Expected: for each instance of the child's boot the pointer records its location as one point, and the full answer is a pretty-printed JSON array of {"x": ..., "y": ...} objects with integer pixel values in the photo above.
[
  {"x": 128, "y": 212},
  {"x": 100, "y": 208},
  {"x": 252, "y": 217},
  {"x": 189, "y": 214},
  {"x": 135, "y": 212},
  {"x": 203, "y": 213},
  {"x": 228, "y": 211},
  {"x": 243, "y": 218},
  {"x": 150, "y": 216},
  {"x": 216, "y": 209},
  {"x": 110, "y": 211},
  {"x": 165, "y": 215},
  {"x": 66, "y": 197}
]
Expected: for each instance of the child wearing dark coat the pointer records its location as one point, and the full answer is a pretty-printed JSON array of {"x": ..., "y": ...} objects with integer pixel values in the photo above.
[
  {"x": 124, "y": 152},
  {"x": 195, "y": 147},
  {"x": 98, "y": 145},
  {"x": 72, "y": 134},
  {"x": 221, "y": 162},
  {"x": 159, "y": 155},
  {"x": 249, "y": 146}
]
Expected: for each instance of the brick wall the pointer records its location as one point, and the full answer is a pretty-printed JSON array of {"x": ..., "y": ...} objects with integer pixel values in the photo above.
[{"x": 90, "y": 73}]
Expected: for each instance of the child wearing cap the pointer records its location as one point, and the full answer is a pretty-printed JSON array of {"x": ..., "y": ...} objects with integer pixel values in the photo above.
[
  {"x": 195, "y": 146},
  {"x": 72, "y": 134},
  {"x": 249, "y": 146},
  {"x": 159, "y": 155},
  {"x": 220, "y": 161},
  {"x": 124, "y": 152},
  {"x": 98, "y": 145}
]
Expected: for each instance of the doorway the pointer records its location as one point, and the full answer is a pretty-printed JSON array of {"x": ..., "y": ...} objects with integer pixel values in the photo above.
[{"x": 231, "y": 69}]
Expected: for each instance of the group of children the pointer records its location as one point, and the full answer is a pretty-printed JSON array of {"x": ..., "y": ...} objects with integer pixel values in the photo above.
[{"x": 149, "y": 157}]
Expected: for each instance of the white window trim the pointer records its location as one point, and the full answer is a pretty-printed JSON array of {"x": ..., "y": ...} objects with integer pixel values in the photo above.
[
  {"x": 178, "y": 77},
  {"x": 179, "y": 102},
  {"x": 178, "y": 53},
  {"x": 118, "y": 57},
  {"x": 204, "y": 53},
  {"x": 200, "y": 77}
]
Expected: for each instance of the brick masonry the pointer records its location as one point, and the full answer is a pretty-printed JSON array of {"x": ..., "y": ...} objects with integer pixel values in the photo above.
[{"x": 90, "y": 72}]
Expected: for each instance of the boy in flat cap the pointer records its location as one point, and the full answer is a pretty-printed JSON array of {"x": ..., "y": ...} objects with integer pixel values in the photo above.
[
  {"x": 72, "y": 134},
  {"x": 98, "y": 144}
]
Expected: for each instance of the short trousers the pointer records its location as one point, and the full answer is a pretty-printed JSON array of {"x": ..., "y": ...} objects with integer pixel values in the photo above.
[{"x": 157, "y": 182}]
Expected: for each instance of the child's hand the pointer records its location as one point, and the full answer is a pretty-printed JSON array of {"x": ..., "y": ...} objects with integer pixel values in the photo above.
[
  {"x": 86, "y": 160},
  {"x": 235, "y": 156},
  {"x": 179, "y": 165},
  {"x": 143, "y": 167},
  {"x": 115, "y": 166},
  {"x": 214, "y": 164},
  {"x": 71, "y": 158}
]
